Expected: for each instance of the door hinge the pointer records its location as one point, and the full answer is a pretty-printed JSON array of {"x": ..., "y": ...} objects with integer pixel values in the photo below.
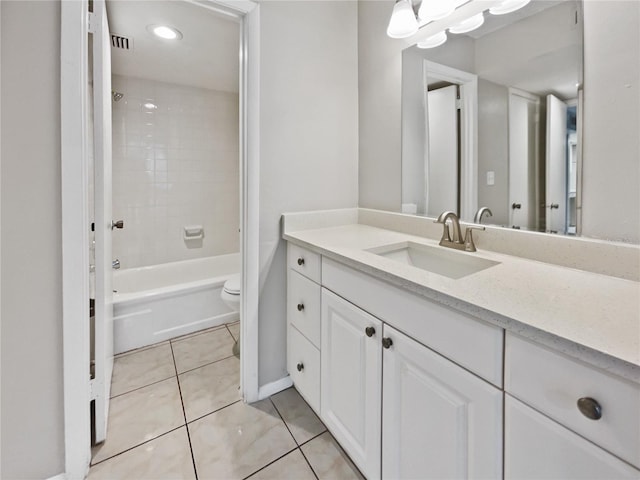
[
  {"x": 91, "y": 19},
  {"x": 458, "y": 103}
]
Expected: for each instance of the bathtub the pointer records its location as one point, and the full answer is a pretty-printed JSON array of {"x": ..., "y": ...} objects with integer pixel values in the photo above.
[{"x": 156, "y": 303}]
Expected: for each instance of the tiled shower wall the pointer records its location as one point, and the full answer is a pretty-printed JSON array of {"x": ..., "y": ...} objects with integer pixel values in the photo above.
[{"x": 175, "y": 163}]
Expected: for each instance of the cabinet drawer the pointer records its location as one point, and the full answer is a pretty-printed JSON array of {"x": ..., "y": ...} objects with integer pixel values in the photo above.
[
  {"x": 303, "y": 363},
  {"x": 552, "y": 383},
  {"x": 304, "y": 261},
  {"x": 468, "y": 341},
  {"x": 539, "y": 448},
  {"x": 303, "y": 306}
]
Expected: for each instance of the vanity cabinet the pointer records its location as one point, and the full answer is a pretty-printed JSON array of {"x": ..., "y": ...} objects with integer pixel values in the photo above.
[
  {"x": 351, "y": 380},
  {"x": 303, "y": 322},
  {"x": 566, "y": 419},
  {"x": 537, "y": 448},
  {"x": 438, "y": 419}
]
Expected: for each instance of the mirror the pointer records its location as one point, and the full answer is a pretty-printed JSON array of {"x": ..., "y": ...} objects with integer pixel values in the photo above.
[{"x": 491, "y": 118}]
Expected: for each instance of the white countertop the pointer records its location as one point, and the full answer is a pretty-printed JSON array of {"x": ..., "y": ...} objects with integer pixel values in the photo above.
[{"x": 589, "y": 316}]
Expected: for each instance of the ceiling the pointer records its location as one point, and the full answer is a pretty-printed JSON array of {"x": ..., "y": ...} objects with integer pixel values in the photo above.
[{"x": 207, "y": 56}]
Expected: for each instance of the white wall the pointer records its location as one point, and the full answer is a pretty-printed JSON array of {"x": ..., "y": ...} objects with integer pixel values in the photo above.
[
  {"x": 611, "y": 178},
  {"x": 379, "y": 94},
  {"x": 611, "y": 124},
  {"x": 308, "y": 139},
  {"x": 173, "y": 166},
  {"x": 32, "y": 398}
]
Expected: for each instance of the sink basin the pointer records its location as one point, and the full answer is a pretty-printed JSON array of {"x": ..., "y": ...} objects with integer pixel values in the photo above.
[{"x": 439, "y": 260}]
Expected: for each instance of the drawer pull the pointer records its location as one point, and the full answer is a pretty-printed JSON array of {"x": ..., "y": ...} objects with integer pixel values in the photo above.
[
  {"x": 300, "y": 366},
  {"x": 590, "y": 408},
  {"x": 300, "y": 307},
  {"x": 370, "y": 331},
  {"x": 387, "y": 342},
  {"x": 300, "y": 261}
]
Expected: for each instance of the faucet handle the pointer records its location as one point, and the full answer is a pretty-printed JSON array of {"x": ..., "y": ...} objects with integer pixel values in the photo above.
[{"x": 469, "y": 246}]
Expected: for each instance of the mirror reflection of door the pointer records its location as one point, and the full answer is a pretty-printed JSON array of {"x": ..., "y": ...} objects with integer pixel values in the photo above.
[
  {"x": 556, "y": 165},
  {"x": 524, "y": 140},
  {"x": 442, "y": 162}
]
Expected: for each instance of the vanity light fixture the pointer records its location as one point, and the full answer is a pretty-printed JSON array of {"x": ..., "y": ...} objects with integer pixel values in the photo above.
[
  {"x": 150, "y": 106},
  {"x": 469, "y": 24},
  {"x": 165, "y": 32},
  {"x": 433, "y": 41},
  {"x": 431, "y": 10},
  {"x": 403, "y": 22},
  {"x": 508, "y": 6}
]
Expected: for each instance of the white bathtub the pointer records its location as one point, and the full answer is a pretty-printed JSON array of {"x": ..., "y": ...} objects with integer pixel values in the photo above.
[{"x": 153, "y": 304}]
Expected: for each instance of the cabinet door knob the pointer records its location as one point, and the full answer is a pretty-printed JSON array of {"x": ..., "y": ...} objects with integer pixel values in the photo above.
[
  {"x": 300, "y": 307},
  {"x": 387, "y": 342},
  {"x": 300, "y": 366},
  {"x": 370, "y": 331},
  {"x": 590, "y": 408},
  {"x": 300, "y": 261},
  {"x": 516, "y": 206}
]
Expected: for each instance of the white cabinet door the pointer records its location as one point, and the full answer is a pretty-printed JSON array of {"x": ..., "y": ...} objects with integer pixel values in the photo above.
[
  {"x": 351, "y": 363},
  {"x": 438, "y": 421},
  {"x": 536, "y": 447}
]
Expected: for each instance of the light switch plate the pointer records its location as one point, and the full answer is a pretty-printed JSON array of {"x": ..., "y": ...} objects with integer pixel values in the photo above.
[{"x": 491, "y": 178}]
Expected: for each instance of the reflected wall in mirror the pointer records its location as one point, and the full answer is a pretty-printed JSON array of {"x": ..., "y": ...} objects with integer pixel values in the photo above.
[{"x": 491, "y": 119}]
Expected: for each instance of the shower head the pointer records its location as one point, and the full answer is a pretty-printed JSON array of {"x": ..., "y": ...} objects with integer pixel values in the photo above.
[{"x": 117, "y": 96}]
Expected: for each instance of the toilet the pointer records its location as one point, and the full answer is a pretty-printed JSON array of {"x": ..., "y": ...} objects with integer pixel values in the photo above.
[
  {"x": 231, "y": 296},
  {"x": 231, "y": 292}
]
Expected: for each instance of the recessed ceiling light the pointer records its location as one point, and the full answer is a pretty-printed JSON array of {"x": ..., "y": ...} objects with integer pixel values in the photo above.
[{"x": 165, "y": 32}]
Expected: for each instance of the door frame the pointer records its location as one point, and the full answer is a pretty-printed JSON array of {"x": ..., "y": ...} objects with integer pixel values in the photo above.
[
  {"x": 75, "y": 220},
  {"x": 468, "y": 83}
]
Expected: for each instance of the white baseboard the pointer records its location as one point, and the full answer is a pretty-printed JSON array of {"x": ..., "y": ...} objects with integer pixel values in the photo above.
[{"x": 272, "y": 388}]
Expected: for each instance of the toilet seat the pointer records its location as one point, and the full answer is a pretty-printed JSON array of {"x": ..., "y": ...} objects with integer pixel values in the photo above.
[{"x": 232, "y": 285}]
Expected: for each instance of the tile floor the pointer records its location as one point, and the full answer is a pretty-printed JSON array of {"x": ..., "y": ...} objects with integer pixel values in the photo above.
[{"x": 176, "y": 414}]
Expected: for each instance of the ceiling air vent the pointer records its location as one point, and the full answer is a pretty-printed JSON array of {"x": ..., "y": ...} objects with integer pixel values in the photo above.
[{"x": 123, "y": 43}]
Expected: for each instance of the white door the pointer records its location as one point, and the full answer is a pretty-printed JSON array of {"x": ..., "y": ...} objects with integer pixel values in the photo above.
[
  {"x": 523, "y": 156},
  {"x": 350, "y": 373},
  {"x": 102, "y": 155},
  {"x": 442, "y": 158},
  {"x": 556, "y": 163},
  {"x": 438, "y": 420},
  {"x": 538, "y": 448}
]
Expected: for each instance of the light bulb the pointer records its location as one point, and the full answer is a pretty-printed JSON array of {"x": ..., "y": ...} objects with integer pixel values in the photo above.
[
  {"x": 431, "y": 10},
  {"x": 403, "y": 22},
  {"x": 433, "y": 41},
  {"x": 469, "y": 24},
  {"x": 508, "y": 6}
]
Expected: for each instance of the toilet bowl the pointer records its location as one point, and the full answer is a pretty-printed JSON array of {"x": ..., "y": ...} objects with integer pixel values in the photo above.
[
  {"x": 231, "y": 292},
  {"x": 231, "y": 296}
]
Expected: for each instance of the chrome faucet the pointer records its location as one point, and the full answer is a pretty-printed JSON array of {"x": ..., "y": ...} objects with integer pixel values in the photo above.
[
  {"x": 456, "y": 242},
  {"x": 481, "y": 211}
]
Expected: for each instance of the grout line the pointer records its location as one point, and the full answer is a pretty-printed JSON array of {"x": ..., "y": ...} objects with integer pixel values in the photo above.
[
  {"x": 187, "y": 336},
  {"x": 143, "y": 386},
  {"x": 229, "y": 330},
  {"x": 316, "y": 436},
  {"x": 212, "y": 412},
  {"x": 272, "y": 462},
  {"x": 296, "y": 440},
  {"x": 184, "y": 414},
  {"x": 136, "y": 446},
  {"x": 309, "y": 463},
  {"x": 204, "y": 364},
  {"x": 284, "y": 421}
]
